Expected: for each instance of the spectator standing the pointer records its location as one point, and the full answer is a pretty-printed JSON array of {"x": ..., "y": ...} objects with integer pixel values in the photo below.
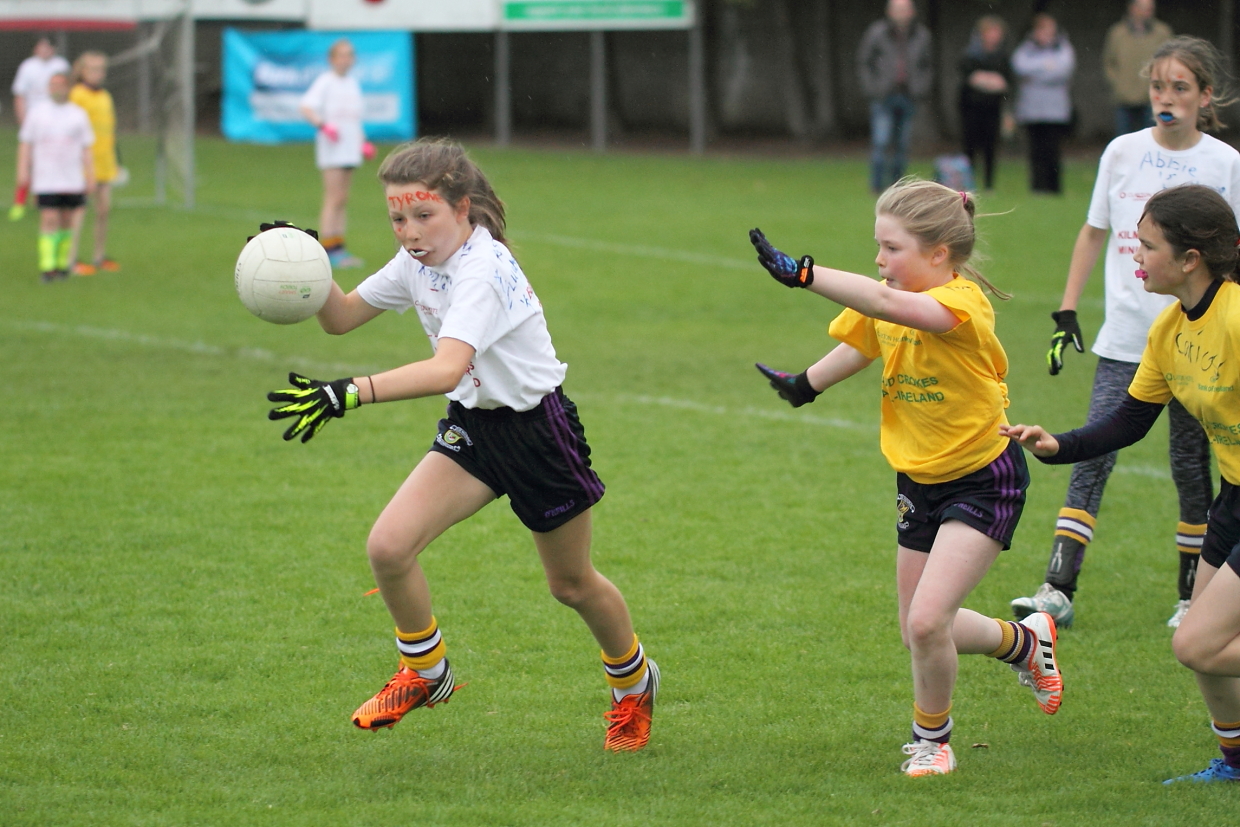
[
  {"x": 1044, "y": 64},
  {"x": 894, "y": 67},
  {"x": 1129, "y": 46},
  {"x": 985, "y": 79},
  {"x": 30, "y": 83}
]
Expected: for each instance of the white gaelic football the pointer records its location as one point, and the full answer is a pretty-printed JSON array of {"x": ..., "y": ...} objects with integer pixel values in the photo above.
[{"x": 283, "y": 275}]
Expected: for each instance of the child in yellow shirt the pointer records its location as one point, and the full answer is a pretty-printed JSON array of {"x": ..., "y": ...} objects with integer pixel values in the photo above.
[
  {"x": 960, "y": 486},
  {"x": 89, "y": 72},
  {"x": 1189, "y": 248}
]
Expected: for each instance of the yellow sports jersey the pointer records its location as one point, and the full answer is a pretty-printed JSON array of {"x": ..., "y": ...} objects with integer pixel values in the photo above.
[
  {"x": 943, "y": 393},
  {"x": 1198, "y": 362},
  {"x": 98, "y": 106}
]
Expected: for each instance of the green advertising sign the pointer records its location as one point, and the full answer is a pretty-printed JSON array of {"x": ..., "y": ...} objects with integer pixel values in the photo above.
[{"x": 597, "y": 14}]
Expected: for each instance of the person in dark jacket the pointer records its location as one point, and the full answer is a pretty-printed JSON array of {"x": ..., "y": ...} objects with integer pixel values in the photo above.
[
  {"x": 985, "y": 80},
  {"x": 894, "y": 68}
]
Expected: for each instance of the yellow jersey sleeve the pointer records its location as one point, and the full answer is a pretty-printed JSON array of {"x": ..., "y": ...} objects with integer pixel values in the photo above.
[{"x": 856, "y": 330}]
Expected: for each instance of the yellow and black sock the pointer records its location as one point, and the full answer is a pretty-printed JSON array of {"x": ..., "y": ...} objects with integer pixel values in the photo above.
[
  {"x": 332, "y": 242},
  {"x": 422, "y": 651},
  {"x": 1188, "y": 540},
  {"x": 628, "y": 673},
  {"x": 1228, "y": 742},
  {"x": 932, "y": 726},
  {"x": 1074, "y": 530},
  {"x": 1016, "y": 644}
]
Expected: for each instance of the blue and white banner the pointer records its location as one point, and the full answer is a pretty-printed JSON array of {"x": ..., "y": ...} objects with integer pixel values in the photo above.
[{"x": 266, "y": 73}]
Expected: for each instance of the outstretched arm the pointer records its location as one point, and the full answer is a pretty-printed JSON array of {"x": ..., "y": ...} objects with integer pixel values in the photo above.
[
  {"x": 878, "y": 301},
  {"x": 861, "y": 293},
  {"x": 1123, "y": 426}
]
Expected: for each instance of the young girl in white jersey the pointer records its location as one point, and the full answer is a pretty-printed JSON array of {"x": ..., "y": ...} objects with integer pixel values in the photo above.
[
  {"x": 509, "y": 429},
  {"x": 54, "y": 161},
  {"x": 1185, "y": 94},
  {"x": 334, "y": 105},
  {"x": 961, "y": 489},
  {"x": 1189, "y": 249}
]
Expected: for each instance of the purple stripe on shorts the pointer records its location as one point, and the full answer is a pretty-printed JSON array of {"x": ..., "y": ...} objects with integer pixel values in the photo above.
[
  {"x": 1004, "y": 470},
  {"x": 564, "y": 437}
]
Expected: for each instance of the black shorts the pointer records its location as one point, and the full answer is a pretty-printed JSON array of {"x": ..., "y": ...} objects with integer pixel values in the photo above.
[
  {"x": 990, "y": 500},
  {"x": 1222, "y": 543},
  {"x": 60, "y": 200},
  {"x": 539, "y": 457}
]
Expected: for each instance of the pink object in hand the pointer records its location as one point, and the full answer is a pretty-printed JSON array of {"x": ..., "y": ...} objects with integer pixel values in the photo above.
[
  {"x": 331, "y": 132},
  {"x": 368, "y": 150}
]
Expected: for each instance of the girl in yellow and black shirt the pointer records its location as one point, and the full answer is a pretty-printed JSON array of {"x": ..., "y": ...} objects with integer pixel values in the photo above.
[
  {"x": 89, "y": 71},
  {"x": 960, "y": 484},
  {"x": 1189, "y": 248}
]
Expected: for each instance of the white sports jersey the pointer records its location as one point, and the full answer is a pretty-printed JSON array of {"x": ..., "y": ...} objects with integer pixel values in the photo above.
[
  {"x": 1133, "y": 168},
  {"x": 481, "y": 297},
  {"x": 57, "y": 133},
  {"x": 33, "y": 75},
  {"x": 337, "y": 101}
]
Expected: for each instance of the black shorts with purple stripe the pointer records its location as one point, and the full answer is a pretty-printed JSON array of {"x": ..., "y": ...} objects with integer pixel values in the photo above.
[
  {"x": 539, "y": 457},
  {"x": 1222, "y": 542},
  {"x": 990, "y": 500}
]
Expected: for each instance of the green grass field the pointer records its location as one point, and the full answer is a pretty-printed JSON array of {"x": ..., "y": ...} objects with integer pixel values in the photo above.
[{"x": 181, "y": 592}]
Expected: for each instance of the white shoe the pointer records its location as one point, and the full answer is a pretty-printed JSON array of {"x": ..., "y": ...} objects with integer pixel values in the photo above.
[
  {"x": 1046, "y": 599},
  {"x": 1181, "y": 609},
  {"x": 928, "y": 758},
  {"x": 1040, "y": 671}
]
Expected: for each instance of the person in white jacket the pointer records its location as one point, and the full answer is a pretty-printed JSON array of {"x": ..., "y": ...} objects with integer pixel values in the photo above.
[{"x": 1044, "y": 64}]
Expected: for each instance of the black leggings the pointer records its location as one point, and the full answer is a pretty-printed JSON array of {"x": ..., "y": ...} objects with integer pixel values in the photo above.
[
  {"x": 979, "y": 126},
  {"x": 1044, "y": 163}
]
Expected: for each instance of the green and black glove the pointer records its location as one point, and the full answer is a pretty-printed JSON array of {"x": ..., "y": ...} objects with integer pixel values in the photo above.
[
  {"x": 313, "y": 403},
  {"x": 1066, "y": 330},
  {"x": 794, "y": 387}
]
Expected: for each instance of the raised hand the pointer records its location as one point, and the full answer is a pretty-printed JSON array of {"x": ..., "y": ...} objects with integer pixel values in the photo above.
[{"x": 782, "y": 267}]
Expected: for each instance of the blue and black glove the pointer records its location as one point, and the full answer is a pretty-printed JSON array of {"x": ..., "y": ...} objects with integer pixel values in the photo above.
[
  {"x": 1066, "y": 330},
  {"x": 783, "y": 268},
  {"x": 314, "y": 403},
  {"x": 793, "y": 387}
]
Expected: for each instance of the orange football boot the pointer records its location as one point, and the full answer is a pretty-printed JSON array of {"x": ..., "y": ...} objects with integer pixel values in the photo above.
[
  {"x": 628, "y": 722},
  {"x": 405, "y": 692}
]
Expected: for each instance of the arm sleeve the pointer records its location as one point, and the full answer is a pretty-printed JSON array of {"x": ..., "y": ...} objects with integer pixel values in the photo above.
[
  {"x": 1099, "y": 214},
  {"x": 1122, "y": 427}
]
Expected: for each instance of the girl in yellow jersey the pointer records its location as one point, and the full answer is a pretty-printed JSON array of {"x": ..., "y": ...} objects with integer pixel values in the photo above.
[
  {"x": 961, "y": 485},
  {"x": 1189, "y": 248},
  {"x": 89, "y": 72}
]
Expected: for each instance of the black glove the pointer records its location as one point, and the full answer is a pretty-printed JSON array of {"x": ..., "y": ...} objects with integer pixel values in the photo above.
[
  {"x": 314, "y": 403},
  {"x": 1066, "y": 330},
  {"x": 782, "y": 267},
  {"x": 265, "y": 226},
  {"x": 793, "y": 387}
]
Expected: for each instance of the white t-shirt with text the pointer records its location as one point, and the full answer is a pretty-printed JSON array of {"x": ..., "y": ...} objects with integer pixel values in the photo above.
[
  {"x": 481, "y": 297},
  {"x": 58, "y": 133},
  {"x": 1132, "y": 169},
  {"x": 337, "y": 101}
]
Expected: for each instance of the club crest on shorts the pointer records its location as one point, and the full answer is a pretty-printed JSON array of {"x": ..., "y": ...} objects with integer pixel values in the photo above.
[
  {"x": 452, "y": 437},
  {"x": 904, "y": 507}
]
